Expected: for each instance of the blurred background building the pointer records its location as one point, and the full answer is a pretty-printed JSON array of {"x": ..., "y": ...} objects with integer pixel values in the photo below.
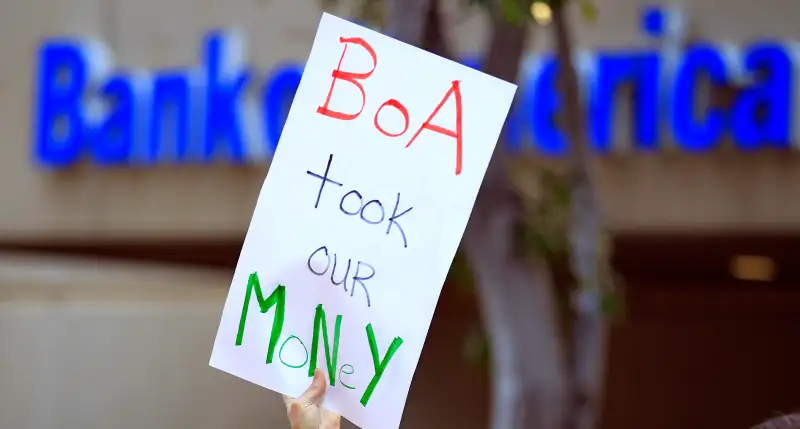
[{"x": 112, "y": 278}]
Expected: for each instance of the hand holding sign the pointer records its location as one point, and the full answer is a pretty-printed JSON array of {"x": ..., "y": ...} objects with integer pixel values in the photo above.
[
  {"x": 364, "y": 206},
  {"x": 306, "y": 412}
]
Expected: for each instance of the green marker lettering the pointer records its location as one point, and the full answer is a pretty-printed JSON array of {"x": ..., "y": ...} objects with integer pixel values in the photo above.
[
  {"x": 280, "y": 352},
  {"x": 341, "y": 371},
  {"x": 277, "y": 299},
  {"x": 380, "y": 365},
  {"x": 319, "y": 319}
]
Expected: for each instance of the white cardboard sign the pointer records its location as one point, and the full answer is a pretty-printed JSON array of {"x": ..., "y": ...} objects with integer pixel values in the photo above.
[{"x": 358, "y": 221}]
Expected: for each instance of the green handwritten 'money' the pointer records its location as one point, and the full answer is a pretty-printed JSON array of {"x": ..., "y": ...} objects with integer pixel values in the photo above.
[
  {"x": 278, "y": 297},
  {"x": 278, "y": 300},
  {"x": 319, "y": 319},
  {"x": 380, "y": 365}
]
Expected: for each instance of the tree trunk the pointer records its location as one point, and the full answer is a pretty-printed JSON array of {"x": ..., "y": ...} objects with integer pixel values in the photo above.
[
  {"x": 530, "y": 376},
  {"x": 588, "y": 257},
  {"x": 515, "y": 294},
  {"x": 517, "y": 305}
]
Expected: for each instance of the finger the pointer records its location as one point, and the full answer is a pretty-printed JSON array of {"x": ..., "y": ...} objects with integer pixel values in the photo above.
[
  {"x": 295, "y": 414},
  {"x": 330, "y": 420},
  {"x": 315, "y": 393},
  {"x": 287, "y": 399}
]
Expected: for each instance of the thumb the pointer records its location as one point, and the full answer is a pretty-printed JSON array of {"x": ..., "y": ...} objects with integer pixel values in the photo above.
[{"x": 315, "y": 393}]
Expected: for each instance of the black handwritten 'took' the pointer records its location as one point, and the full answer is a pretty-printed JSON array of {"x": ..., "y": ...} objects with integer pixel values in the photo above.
[{"x": 352, "y": 204}]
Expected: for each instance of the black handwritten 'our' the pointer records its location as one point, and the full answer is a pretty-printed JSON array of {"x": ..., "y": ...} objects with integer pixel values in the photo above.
[
  {"x": 319, "y": 264},
  {"x": 352, "y": 203}
]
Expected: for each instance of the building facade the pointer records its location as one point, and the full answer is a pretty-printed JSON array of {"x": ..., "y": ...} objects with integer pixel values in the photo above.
[{"x": 698, "y": 208}]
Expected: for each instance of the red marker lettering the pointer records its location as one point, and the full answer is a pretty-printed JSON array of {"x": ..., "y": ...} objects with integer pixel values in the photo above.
[
  {"x": 349, "y": 77},
  {"x": 454, "y": 89},
  {"x": 357, "y": 80},
  {"x": 400, "y": 108}
]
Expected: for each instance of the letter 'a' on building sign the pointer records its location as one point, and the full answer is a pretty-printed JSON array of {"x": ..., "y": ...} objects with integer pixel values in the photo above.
[
  {"x": 366, "y": 200},
  {"x": 85, "y": 109}
]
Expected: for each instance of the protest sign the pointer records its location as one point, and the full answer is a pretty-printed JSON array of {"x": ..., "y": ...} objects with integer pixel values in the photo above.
[{"x": 358, "y": 221}]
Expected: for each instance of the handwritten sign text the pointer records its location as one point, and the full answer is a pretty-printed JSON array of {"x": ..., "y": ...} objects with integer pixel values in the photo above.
[{"x": 357, "y": 223}]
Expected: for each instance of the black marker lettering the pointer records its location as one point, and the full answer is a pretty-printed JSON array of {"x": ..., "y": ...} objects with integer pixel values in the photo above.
[
  {"x": 324, "y": 179},
  {"x": 344, "y": 277},
  {"x": 360, "y": 202},
  {"x": 393, "y": 220},
  {"x": 380, "y": 207},
  {"x": 376, "y": 215},
  {"x": 320, "y": 273},
  {"x": 360, "y": 279}
]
